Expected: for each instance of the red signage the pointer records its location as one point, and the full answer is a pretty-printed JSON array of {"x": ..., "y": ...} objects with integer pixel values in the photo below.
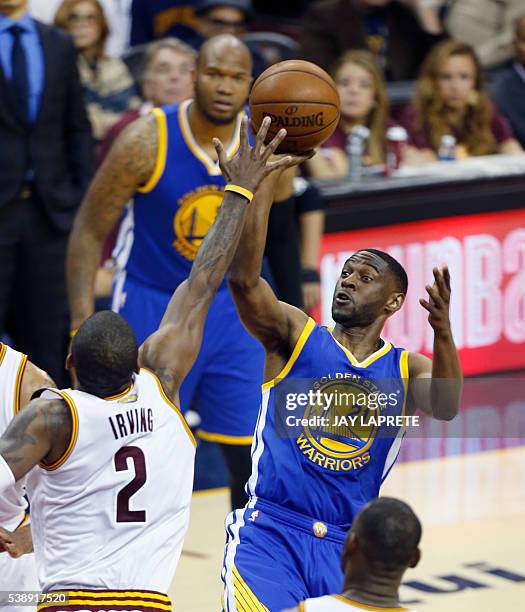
[{"x": 486, "y": 257}]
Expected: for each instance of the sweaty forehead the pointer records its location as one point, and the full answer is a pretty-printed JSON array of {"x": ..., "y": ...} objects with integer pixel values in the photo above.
[{"x": 369, "y": 259}]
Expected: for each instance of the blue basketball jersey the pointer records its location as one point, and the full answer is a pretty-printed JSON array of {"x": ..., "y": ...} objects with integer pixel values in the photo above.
[
  {"x": 327, "y": 458},
  {"x": 177, "y": 206}
]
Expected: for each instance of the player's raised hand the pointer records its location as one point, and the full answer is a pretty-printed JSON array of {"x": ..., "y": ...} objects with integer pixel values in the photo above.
[
  {"x": 251, "y": 165},
  {"x": 438, "y": 304}
]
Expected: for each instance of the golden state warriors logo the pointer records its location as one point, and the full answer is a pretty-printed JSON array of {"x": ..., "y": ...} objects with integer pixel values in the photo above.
[
  {"x": 338, "y": 432},
  {"x": 194, "y": 218}
]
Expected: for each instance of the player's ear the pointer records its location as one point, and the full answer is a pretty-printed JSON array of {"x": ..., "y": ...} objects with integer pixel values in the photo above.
[
  {"x": 416, "y": 557},
  {"x": 69, "y": 362},
  {"x": 394, "y": 303}
]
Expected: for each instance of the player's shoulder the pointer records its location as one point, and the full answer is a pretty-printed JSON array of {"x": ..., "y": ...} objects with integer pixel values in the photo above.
[{"x": 33, "y": 380}]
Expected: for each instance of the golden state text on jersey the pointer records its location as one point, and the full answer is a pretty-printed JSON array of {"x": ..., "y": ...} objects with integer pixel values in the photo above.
[{"x": 330, "y": 428}]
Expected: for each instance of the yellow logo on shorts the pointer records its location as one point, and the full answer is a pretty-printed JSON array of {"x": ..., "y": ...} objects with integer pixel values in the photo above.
[
  {"x": 319, "y": 529},
  {"x": 339, "y": 438},
  {"x": 194, "y": 218}
]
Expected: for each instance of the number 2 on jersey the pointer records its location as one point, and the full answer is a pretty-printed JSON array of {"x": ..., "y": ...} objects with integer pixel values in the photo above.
[{"x": 124, "y": 513}]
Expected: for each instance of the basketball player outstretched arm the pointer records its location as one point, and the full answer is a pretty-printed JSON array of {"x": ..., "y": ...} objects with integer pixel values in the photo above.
[
  {"x": 275, "y": 324},
  {"x": 17, "y": 543},
  {"x": 41, "y": 432},
  {"x": 171, "y": 351},
  {"x": 435, "y": 385}
]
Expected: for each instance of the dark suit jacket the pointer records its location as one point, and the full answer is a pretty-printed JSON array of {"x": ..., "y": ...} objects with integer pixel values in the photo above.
[
  {"x": 58, "y": 146},
  {"x": 331, "y": 27},
  {"x": 509, "y": 96}
]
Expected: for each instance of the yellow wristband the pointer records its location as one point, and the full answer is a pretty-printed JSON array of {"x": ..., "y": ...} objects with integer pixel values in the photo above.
[
  {"x": 241, "y": 191},
  {"x": 73, "y": 332}
]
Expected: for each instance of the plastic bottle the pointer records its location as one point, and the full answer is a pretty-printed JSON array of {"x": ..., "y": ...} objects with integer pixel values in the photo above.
[{"x": 447, "y": 148}]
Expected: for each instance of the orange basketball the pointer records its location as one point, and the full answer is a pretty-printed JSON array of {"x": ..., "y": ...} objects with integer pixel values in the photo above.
[{"x": 300, "y": 97}]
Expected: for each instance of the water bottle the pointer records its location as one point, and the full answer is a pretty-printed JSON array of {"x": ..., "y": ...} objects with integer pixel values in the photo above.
[
  {"x": 447, "y": 148},
  {"x": 355, "y": 148}
]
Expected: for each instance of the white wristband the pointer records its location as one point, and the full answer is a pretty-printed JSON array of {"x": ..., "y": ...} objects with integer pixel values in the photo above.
[{"x": 7, "y": 478}]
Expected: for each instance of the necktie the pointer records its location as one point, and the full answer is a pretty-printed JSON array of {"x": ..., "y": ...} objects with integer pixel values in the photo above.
[{"x": 19, "y": 76}]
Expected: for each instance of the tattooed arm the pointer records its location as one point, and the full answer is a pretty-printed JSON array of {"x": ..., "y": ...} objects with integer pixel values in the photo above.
[
  {"x": 171, "y": 351},
  {"x": 40, "y": 432},
  {"x": 129, "y": 165}
]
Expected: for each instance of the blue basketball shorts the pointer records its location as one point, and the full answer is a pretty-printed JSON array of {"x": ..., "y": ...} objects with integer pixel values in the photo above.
[
  {"x": 275, "y": 558},
  {"x": 224, "y": 385}
]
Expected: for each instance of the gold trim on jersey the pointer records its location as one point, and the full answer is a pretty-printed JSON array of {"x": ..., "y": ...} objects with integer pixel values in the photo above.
[
  {"x": 110, "y": 398},
  {"x": 74, "y": 434},
  {"x": 18, "y": 383},
  {"x": 211, "y": 166},
  {"x": 172, "y": 405},
  {"x": 363, "y": 606},
  {"x": 24, "y": 521},
  {"x": 224, "y": 439},
  {"x": 162, "y": 151},
  {"x": 3, "y": 351},
  {"x": 117, "y": 599},
  {"x": 305, "y": 334},
  {"x": 369, "y": 360},
  {"x": 301, "y": 606},
  {"x": 403, "y": 367},
  {"x": 245, "y": 600}
]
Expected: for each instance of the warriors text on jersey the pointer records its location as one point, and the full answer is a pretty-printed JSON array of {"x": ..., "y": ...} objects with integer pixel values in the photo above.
[
  {"x": 324, "y": 443},
  {"x": 112, "y": 512}
]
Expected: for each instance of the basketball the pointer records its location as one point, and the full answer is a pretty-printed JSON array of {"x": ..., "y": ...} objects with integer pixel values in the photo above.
[{"x": 300, "y": 97}]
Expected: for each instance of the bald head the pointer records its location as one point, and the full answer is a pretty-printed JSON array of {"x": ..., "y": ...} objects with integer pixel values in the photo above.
[
  {"x": 223, "y": 78},
  {"x": 218, "y": 48}
]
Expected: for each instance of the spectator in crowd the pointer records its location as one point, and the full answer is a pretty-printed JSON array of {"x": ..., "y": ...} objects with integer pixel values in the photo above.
[
  {"x": 109, "y": 89},
  {"x": 451, "y": 99},
  {"x": 153, "y": 20},
  {"x": 486, "y": 25},
  {"x": 381, "y": 545},
  {"x": 46, "y": 161},
  {"x": 363, "y": 102},
  {"x": 398, "y": 32},
  {"x": 167, "y": 78},
  {"x": 116, "y": 11},
  {"x": 509, "y": 90},
  {"x": 216, "y": 17}
]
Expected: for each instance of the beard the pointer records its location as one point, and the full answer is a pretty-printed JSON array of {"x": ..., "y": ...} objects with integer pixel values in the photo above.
[{"x": 356, "y": 316}]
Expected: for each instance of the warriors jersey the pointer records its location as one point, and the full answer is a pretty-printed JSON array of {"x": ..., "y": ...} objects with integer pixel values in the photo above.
[
  {"x": 175, "y": 209},
  {"x": 323, "y": 443},
  {"x": 112, "y": 512},
  {"x": 12, "y": 363},
  {"x": 338, "y": 603}
]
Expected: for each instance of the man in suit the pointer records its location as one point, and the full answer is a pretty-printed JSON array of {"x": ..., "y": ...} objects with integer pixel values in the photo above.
[
  {"x": 509, "y": 89},
  {"x": 398, "y": 32},
  {"x": 45, "y": 166}
]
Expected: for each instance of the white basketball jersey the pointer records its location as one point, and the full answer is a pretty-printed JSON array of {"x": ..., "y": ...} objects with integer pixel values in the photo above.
[
  {"x": 338, "y": 603},
  {"x": 12, "y": 363},
  {"x": 112, "y": 513}
]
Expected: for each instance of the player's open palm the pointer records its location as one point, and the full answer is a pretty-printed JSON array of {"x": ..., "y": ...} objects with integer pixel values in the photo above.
[
  {"x": 438, "y": 304},
  {"x": 251, "y": 165}
]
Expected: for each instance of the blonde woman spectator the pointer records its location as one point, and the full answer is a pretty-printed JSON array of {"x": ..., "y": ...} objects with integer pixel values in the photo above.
[
  {"x": 451, "y": 99},
  {"x": 109, "y": 90},
  {"x": 363, "y": 102}
]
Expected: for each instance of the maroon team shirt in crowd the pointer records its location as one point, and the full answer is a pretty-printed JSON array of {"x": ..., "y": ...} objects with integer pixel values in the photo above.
[{"x": 420, "y": 138}]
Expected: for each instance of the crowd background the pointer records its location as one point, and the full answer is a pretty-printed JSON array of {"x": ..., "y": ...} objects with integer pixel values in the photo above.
[{"x": 75, "y": 73}]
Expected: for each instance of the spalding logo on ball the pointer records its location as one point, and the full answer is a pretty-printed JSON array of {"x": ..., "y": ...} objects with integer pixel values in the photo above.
[{"x": 300, "y": 97}]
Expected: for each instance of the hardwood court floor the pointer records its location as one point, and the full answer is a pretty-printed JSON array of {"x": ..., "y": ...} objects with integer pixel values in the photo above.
[{"x": 473, "y": 513}]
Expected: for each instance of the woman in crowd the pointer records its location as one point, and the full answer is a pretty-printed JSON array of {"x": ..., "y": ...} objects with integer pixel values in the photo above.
[
  {"x": 451, "y": 99},
  {"x": 363, "y": 102},
  {"x": 109, "y": 89}
]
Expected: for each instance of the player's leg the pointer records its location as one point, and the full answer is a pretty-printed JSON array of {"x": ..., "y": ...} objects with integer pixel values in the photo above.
[
  {"x": 239, "y": 463},
  {"x": 262, "y": 568},
  {"x": 229, "y": 393}
]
